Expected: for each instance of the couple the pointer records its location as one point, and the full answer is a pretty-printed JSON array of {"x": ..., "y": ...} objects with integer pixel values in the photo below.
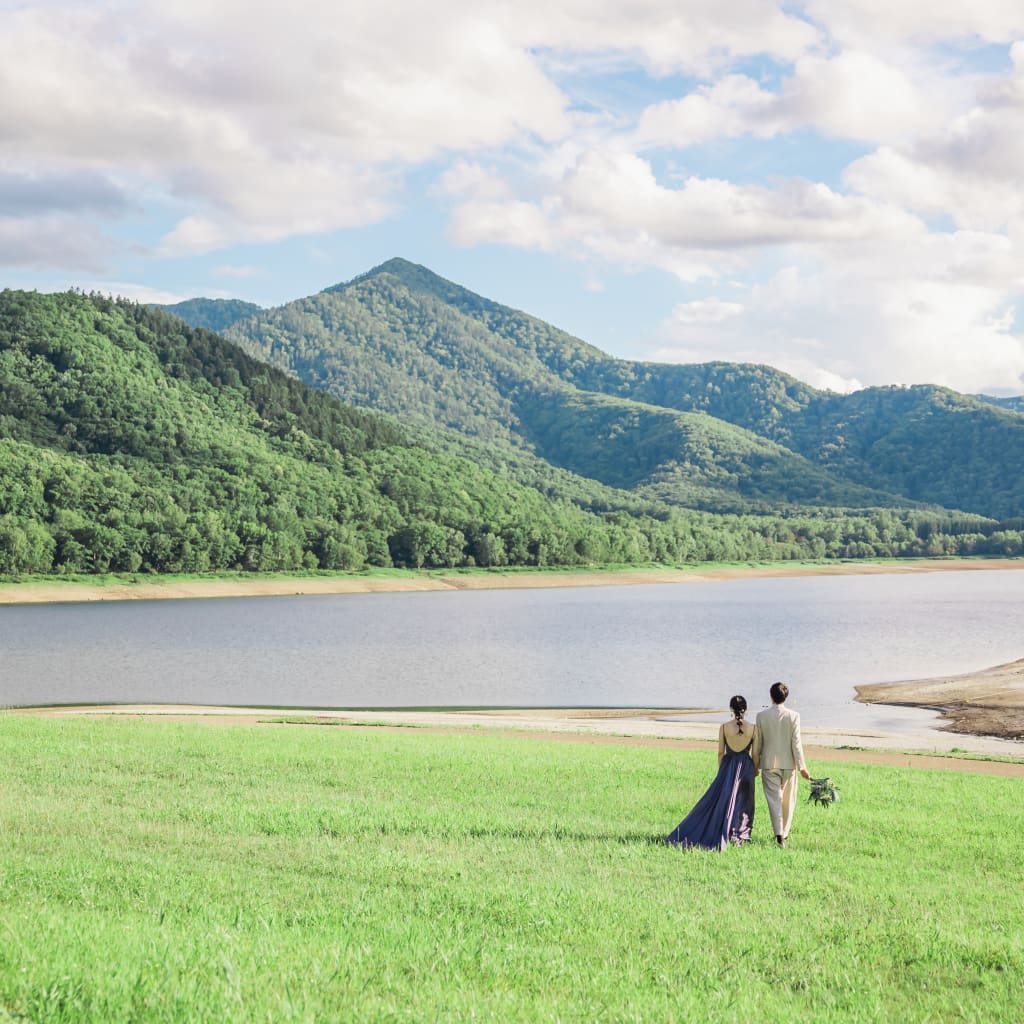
[{"x": 772, "y": 747}]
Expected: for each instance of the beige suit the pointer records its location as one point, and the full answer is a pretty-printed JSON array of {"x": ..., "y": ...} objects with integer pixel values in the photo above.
[{"x": 782, "y": 756}]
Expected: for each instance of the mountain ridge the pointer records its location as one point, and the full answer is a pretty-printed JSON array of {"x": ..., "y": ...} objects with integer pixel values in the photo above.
[{"x": 407, "y": 341}]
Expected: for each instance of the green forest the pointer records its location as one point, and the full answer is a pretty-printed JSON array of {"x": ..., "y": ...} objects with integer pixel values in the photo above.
[
  {"x": 722, "y": 437},
  {"x": 133, "y": 442}
]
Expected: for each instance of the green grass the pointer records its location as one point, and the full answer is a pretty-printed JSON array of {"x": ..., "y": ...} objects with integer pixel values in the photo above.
[{"x": 154, "y": 871}]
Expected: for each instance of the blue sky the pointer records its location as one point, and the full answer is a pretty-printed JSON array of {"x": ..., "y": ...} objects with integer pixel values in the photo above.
[{"x": 830, "y": 186}]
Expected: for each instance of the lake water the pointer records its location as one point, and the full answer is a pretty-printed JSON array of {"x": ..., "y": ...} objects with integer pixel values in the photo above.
[{"x": 671, "y": 645}]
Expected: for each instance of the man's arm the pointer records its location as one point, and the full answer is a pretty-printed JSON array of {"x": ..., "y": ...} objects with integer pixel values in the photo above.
[{"x": 798, "y": 748}]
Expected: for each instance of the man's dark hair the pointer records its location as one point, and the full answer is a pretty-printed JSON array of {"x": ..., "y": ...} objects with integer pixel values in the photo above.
[{"x": 779, "y": 692}]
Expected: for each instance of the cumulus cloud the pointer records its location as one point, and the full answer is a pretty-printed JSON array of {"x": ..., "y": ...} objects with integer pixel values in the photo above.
[
  {"x": 864, "y": 318},
  {"x": 875, "y": 22},
  {"x": 666, "y": 35},
  {"x": 871, "y": 295},
  {"x": 231, "y": 123},
  {"x": 467, "y": 178},
  {"x": 52, "y": 240},
  {"x": 613, "y": 199},
  {"x": 295, "y": 125},
  {"x": 969, "y": 169},
  {"x": 852, "y": 95},
  {"x": 706, "y": 311},
  {"x": 28, "y": 193},
  {"x": 264, "y": 122}
]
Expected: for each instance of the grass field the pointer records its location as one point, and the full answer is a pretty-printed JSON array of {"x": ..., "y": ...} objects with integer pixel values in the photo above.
[{"x": 176, "y": 871}]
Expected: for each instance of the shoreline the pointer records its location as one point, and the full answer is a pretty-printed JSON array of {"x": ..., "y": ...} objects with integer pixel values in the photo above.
[
  {"x": 61, "y": 591},
  {"x": 989, "y": 702}
]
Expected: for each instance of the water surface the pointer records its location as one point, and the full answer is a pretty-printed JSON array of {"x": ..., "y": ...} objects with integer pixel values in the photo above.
[{"x": 666, "y": 645}]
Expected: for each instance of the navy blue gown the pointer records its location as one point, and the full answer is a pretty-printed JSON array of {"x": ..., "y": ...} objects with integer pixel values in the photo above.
[{"x": 725, "y": 813}]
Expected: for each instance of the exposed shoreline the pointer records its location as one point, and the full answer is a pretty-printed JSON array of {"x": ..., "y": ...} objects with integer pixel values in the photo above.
[
  {"x": 57, "y": 590},
  {"x": 987, "y": 703}
]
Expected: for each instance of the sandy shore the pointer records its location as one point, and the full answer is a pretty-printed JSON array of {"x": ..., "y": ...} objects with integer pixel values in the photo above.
[
  {"x": 640, "y": 726},
  {"x": 990, "y": 702},
  {"x": 148, "y": 590}
]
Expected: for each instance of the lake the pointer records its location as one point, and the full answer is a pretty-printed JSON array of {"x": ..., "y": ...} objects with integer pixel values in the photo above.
[{"x": 666, "y": 645}]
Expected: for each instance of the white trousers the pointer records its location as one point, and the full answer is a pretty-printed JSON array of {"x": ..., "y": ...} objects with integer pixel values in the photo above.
[{"x": 779, "y": 785}]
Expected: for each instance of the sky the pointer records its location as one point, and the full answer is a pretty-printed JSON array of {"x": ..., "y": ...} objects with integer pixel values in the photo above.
[{"x": 830, "y": 187}]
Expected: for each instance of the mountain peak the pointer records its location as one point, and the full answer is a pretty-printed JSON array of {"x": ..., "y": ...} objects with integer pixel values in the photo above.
[
  {"x": 418, "y": 278},
  {"x": 398, "y": 265},
  {"x": 405, "y": 270}
]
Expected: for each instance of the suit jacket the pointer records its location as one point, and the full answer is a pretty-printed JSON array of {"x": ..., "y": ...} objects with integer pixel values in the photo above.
[{"x": 780, "y": 738}]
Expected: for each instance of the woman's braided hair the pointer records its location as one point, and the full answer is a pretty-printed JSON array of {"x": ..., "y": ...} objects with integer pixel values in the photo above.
[{"x": 738, "y": 706}]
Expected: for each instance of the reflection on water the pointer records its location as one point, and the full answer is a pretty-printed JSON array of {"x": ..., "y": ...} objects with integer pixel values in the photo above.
[{"x": 672, "y": 645}]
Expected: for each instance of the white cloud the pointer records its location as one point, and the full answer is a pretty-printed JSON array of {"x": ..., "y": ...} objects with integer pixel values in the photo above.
[
  {"x": 968, "y": 169},
  {"x": 863, "y": 22},
  {"x": 52, "y": 241},
  {"x": 863, "y": 318},
  {"x": 851, "y": 95},
  {"x": 706, "y": 311},
  {"x": 230, "y": 122},
  {"x": 293, "y": 125},
  {"x": 666, "y": 35},
  {"x": 468, "y": 178},
  {"x": 505, "y": 222},
  {"x": 32, "y": 192},
  {"x": 612, "y": 201}
]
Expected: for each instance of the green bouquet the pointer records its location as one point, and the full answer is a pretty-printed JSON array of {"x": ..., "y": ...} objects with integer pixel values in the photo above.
[{"x": 823, "y": 791}]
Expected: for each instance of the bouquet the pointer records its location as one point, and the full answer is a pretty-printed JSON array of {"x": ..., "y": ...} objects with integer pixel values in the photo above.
[{"x": 823, "y": 792}]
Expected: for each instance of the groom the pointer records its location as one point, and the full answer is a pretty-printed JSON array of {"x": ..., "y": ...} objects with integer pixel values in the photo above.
[{"x": 782, "y": 756}]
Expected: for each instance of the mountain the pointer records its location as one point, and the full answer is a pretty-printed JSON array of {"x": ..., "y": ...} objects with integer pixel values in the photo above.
[
  {"x": 1014, "y": 403},
  {"x": 213, "y": 314},
  {"x": 716, "y": 436},
  {"x": 130, "y": 441}
]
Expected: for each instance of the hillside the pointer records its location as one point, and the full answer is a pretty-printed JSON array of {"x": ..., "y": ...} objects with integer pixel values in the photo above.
[
  {"x": 402, "y": 340},
  {"x": 1015, "y": 403},
  {"x": 129, "y": 441},
  {"x": 132, "y": 442},
  {"x": 213, "y": 314}
]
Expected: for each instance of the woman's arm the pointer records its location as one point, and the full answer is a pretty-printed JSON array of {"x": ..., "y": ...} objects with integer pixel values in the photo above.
[{"x": 721, "y": 744}]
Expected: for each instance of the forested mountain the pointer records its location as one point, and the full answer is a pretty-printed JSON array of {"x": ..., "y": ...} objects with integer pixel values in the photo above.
[
  {"x": 1015, "y": 403},
  {"x": 716, "y": 436},
  {"x": 213, "y": 314},
  {"x": 130, "y": 441}
]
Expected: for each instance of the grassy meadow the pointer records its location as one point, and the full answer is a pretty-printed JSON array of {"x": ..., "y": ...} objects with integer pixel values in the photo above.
[{"x": 161, "y": 871}]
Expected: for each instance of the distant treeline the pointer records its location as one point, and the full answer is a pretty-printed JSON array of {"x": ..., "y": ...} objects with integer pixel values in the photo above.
[{"x": 130, "y": 442}]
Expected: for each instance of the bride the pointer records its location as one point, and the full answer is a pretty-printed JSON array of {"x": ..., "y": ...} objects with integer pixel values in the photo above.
[{"x": 725, "y": 813}]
